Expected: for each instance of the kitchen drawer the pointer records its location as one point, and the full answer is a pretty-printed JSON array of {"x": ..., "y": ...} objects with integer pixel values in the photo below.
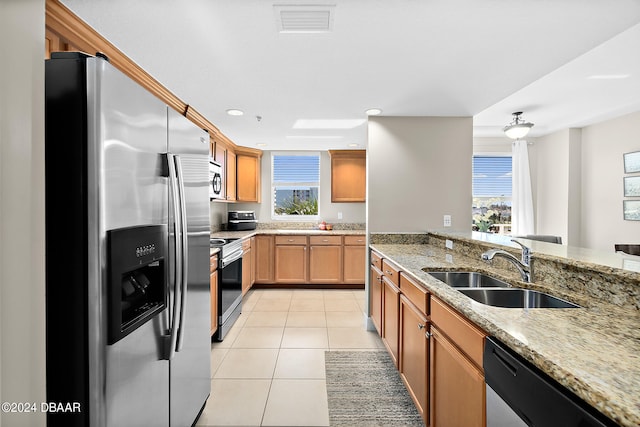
[
  {"x": 354, "y": 240},
  {"x": 325, "y": 240},
  {"x": 376, "y": 260},
  {"x": 468, "y": 337},
  {"x": 246, "y": 244},
  {"x": 291, "y": 240},
  {"x": 415, "y": 293},
  {"x": 391, "y": 272},
  {"x": 213, "y": 263}
]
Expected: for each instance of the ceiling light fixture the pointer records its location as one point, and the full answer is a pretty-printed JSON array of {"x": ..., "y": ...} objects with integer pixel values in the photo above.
[
  {"x": 373, "y": 112},
  {"x": 518, "y": 128},
  {"x": 235, "y": 112}
]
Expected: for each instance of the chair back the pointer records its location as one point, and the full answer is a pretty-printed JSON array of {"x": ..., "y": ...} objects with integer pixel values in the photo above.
[{"x": 628, "y": 249}]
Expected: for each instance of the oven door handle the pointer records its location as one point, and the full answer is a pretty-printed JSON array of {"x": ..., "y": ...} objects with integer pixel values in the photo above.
[{"x": 232, "y": 258}]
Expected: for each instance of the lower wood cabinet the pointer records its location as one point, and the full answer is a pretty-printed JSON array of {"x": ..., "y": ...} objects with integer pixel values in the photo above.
[
  {"x": 325, "y": 259},
  {"x": 354, "y": 255},
  {"x": 247, "y": 266},
  {"x": 375, "y": 297},
  {"x": 457, "y": 386},
  {"x": 318, "y": 259},
  {"x": 414, "y": 354},
  {"x": 213, "y": 286},
  {"x": 291, "y": 259},
  {"x": 390, "y": 318},
  {"x": 264, "y": 253}
]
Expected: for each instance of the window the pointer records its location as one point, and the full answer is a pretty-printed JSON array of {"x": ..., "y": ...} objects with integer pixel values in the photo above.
[
  {"x": 295, "y": 183},
  {"x": 492, "y": 193}
]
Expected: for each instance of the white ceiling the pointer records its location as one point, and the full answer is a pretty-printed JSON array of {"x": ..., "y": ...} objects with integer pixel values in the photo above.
[{"x": 482, "y": 58}]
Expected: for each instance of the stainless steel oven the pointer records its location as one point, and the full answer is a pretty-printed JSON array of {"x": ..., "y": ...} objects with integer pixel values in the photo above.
[{"x": 229, "y": 284}]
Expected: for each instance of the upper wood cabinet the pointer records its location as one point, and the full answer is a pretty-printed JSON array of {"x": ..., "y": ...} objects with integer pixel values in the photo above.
[
  {"x": 231, "y": 175},
  {"x": 348, "y": 175},
  {"x": 248, "y": 188}
]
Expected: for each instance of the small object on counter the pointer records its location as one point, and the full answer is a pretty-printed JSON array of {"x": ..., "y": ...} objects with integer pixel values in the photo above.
[
  {"x": 329, "y": 227},
  {"x": 322, "y": 225}
]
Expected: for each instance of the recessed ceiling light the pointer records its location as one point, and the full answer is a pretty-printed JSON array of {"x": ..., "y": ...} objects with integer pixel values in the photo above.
[
  {"x": 609, "y": 76},
  {"x": 373, "y": 112},
  {"x": 328, "y": 124},
  {"x": 354, "y": 145},
  {"x": 235, "y": 112},
  {"x": 261, "y": 144}
]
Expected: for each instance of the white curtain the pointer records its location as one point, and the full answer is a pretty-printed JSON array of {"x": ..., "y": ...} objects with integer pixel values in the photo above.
[{"x": 522, "y": 221}]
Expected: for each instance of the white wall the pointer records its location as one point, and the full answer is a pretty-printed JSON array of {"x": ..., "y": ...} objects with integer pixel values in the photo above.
[
  {"x": 551, "y": 176},
  {"x": 603, "y": 146},
  {"x": 22, "y": 281},
  {"x": 579, "y": 183},
  {"x": 419, "y": 170},
  {"x": 351, "y": 212}
]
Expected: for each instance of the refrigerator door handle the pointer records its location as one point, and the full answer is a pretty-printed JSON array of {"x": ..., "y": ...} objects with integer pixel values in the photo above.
[
  {"x": 172, "y": 338},
  {"x": 184, "y": 253}
]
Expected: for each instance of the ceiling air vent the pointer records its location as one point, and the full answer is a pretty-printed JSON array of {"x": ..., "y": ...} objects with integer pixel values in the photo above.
[{"x": 304, "y": 18}]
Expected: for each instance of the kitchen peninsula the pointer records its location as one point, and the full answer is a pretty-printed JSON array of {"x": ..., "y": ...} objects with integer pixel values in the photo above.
[{"x": 594, "y": 351}]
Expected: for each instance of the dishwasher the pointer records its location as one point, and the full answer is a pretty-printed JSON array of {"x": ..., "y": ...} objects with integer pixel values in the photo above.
[{"x": 520, "y": 395}]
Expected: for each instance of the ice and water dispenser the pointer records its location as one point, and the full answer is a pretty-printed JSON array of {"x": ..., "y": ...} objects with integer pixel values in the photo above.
[{"x": 137, "y": 281}]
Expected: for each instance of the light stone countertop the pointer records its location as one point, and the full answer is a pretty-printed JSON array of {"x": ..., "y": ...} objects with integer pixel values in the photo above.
[
  {"x": 593, "y": 351},
  {"x": 284, "y": 232}
]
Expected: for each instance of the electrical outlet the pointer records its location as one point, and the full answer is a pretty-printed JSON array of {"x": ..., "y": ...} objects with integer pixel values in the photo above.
[
  {"x": 447, "y": 220},
  {"x": 449, "y": 258},
  {"x": 448, "y": 244},
  {"x": 339, "y": 215}
]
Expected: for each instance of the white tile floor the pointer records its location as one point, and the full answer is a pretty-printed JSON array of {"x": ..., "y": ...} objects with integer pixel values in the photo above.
[{"x": 269, "y": 370}]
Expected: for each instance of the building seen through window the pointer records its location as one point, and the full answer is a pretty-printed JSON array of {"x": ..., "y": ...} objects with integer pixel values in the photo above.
[
  {"x": 491, "y": 209},
  {"x": 295, "y": 185}
]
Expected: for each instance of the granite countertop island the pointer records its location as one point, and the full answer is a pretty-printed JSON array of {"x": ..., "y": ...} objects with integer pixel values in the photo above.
[{"x": 594, "y": 350}]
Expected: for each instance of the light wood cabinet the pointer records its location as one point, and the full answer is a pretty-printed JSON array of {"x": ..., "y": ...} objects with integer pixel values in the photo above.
[
  {"x": 414, "y": 354},
  {"x": 248, "y": 175},
  {"x": 247, "y": 266},
  {"x": 220, "y": 156},
  {"x": 348, "y": 175},
  {"x": 390, "y": 318},
  {"x": 354, "y": 263},
  {"x": 231, "y": 175},
  {"x": 325, "y": 259},
  {"x": 291, "y": 259},
  {"x": 264, "y": 253},
  {"x": 253, "y": 261},
  {"x": 457, "y": 384},
  {"x": 213, "y": 288},
  {"x": 375, "y": 297}
]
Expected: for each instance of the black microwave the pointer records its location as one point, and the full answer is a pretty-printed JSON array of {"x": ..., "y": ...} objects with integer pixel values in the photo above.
[{"x": 215, "y": 180}]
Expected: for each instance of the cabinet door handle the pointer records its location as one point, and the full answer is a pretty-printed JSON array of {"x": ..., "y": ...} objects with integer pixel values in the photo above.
[
  {"x": 420, "y": 326},
  {"x": 427, "y": 334}
]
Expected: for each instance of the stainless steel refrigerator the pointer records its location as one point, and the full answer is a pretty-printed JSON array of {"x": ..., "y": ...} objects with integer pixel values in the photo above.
[{"x": 127, "y": 248}]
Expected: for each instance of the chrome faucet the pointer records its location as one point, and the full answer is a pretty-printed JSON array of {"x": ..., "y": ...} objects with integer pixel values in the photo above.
[{"x": 524, "y": 265}]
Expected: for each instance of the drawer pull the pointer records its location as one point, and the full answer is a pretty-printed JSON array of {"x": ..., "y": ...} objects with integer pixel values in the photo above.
[
  {"x": 325, "y": 240},
  {"x": 388, "y": 272},
  {"x": 290, "y": 240}
]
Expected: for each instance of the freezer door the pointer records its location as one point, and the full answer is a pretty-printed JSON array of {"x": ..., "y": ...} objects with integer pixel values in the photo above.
[
  {"x": 190, "y": 369},
  {"x": 127, "y": 131}
]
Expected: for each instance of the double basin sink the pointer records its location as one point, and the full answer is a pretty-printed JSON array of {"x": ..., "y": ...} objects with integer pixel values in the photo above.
[{"x": 491, "y": 291}]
